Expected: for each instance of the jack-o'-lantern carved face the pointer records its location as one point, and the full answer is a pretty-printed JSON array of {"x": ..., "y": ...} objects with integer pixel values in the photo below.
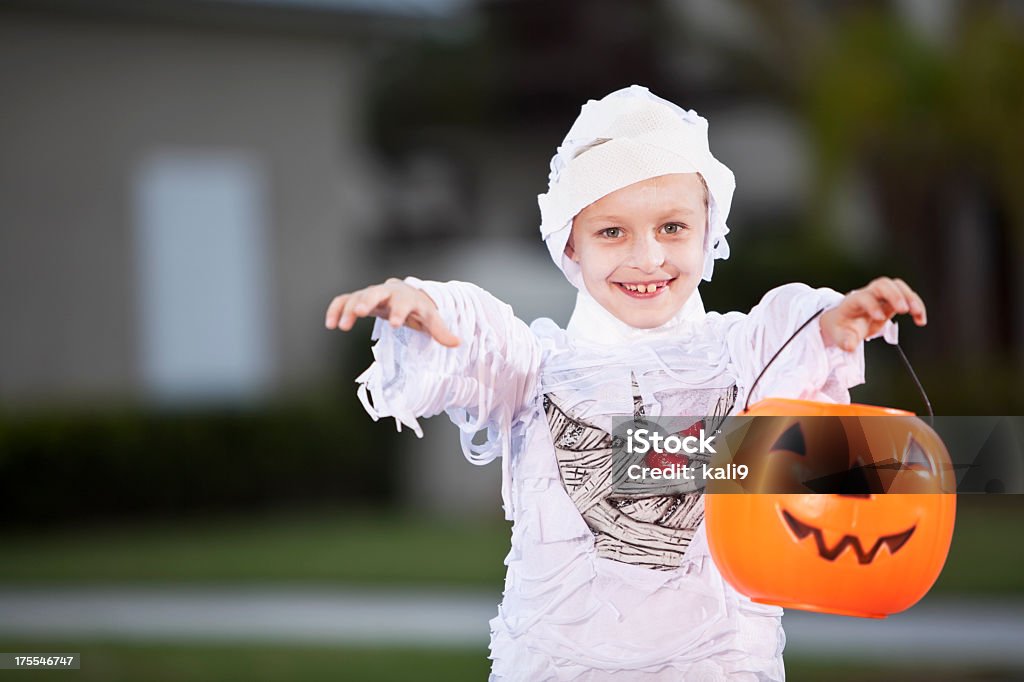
[{"x": 840, "y": 514}]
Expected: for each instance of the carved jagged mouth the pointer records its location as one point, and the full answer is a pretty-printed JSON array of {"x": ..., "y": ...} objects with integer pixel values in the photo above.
[{"x": 802, "y": 530}]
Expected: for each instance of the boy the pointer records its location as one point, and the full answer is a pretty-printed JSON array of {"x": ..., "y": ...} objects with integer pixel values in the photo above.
[{"x": 602, "y": 586}]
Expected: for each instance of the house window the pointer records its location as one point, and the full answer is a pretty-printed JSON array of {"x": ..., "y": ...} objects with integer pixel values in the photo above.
[{"x": 202, "y": 253}]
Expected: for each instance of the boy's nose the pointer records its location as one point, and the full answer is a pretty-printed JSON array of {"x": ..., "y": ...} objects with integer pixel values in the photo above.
[{"x": 648, "y": 254}]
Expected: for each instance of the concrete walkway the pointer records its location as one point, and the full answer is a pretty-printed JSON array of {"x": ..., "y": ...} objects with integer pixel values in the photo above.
[{"x": 936, "y": 630}]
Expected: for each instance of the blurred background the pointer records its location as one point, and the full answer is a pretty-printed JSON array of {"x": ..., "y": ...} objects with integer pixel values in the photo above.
[{"x": 189, "y": 488}]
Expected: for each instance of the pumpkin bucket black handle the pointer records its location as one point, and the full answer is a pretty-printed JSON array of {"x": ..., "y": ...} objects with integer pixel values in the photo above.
[{"x": 903, "y": 357}]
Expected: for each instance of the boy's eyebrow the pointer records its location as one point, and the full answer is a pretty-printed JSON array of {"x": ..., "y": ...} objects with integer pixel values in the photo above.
[
  {"x": 667, "y": 214},
  {"x": 679, "y": 210},
  {"x": 608, "y": 218}
]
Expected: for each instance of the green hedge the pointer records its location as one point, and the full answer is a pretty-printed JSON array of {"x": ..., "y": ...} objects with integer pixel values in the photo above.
[{"x": 56, "y": 468}]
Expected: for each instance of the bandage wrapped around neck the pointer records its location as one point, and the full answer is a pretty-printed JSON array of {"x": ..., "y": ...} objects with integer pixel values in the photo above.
[{"x": 629, "y": 136}]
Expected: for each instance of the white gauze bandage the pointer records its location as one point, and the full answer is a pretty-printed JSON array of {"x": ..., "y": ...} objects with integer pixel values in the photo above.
[{"x": 629, "y": 136}]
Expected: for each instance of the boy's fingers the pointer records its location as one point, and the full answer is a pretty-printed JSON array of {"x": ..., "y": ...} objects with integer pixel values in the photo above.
[
  {"x": 334, "y": 310},
  {"x": 853, "y": 333},
  {"x": 371, "y": 299},
  {"x": 891, "y": 295},
  {"x": 377, "y": 301},
  {"x": 399, "y": 313},
  {"x": 348, "y": 316},
  {"x": 884, "y": 308},
  {"x": 864, "y": 311},
  {"x": 864, "y": 301},
  {"x": 361, "y": 304},
  {"x": 389, "y": 301},
  {"x": 439, "y": 330},
  {"x": 917, "y": 309}
]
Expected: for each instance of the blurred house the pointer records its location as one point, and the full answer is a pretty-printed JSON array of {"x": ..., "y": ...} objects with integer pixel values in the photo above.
[{"x": 183, "y": 186}]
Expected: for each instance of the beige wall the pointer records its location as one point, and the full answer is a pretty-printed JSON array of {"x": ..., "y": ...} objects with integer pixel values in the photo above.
[{"x": 83, "y": 104}]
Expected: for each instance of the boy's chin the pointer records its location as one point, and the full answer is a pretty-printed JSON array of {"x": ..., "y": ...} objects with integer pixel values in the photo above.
[{"x": 644, "y": 319}]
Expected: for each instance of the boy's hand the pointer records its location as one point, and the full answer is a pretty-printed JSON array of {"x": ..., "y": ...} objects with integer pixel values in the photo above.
[
  {"x": 394, "y": 301},
  {"x": 863, "y": 312}
]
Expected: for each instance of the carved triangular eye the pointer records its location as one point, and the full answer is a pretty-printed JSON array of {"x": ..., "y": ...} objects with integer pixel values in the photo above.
[
  {"x": 914, "y": 456},
  {"x": 792, "y": 440},
  {"x": 856, "y": 482}
]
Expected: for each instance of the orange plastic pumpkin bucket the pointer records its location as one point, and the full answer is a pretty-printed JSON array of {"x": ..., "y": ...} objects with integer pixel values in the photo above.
[
  {"x": 867, "y": 555},
  {"x": 857, "y": 555}
]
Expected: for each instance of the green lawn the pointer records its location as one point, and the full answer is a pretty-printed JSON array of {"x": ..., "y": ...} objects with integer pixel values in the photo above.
[
  {"x": 987, "y": 556},
  {"x": 335, "y": 548},
  {"x": 327, "y": 548},
  {"x": 816, "y": 670},
  {"x": 188, "y": 662}
]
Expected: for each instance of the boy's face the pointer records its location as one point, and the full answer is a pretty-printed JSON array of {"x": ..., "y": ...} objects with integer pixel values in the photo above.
[{"x": 641, "y": 248}]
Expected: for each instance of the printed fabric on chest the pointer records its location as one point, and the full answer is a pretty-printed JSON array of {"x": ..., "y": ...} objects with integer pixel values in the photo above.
[{"x": 653, "y": 530}]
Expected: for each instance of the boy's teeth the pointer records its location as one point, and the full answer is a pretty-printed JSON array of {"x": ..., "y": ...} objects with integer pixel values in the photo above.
[{"x": 642, "y": 288}]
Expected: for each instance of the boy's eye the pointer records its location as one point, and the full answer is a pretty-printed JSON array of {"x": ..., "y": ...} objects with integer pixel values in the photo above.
[{"x": 612, "y": 232}]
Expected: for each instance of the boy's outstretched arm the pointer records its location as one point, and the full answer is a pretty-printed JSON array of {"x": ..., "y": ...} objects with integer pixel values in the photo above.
[
  {"x": 394, "y": 301},
  {"x": 468, "y": 356},
  {"x": 863, "y": 312}
]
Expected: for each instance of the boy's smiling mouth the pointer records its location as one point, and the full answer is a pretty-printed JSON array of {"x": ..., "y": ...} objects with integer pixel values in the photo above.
[{"x": 644, "y": 289}]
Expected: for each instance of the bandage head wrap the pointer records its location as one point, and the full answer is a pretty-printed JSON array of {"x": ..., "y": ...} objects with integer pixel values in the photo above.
[{"x": 629, "y": 136}]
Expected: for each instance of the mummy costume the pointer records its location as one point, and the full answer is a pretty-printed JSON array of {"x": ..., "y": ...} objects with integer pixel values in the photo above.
[{"x": 602, "y": 586}]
